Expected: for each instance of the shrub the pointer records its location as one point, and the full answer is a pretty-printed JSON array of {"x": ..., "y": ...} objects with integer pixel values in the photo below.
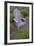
[
  {"x": 11, "y": 19},
  {"x": 25, "y": 13}
]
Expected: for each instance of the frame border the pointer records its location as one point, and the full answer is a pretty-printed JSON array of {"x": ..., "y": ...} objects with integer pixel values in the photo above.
[{"x": 5, "y": 21}]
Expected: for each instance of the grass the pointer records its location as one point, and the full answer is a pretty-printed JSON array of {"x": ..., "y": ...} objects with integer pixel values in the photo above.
[{"x": 24, "y": 34}]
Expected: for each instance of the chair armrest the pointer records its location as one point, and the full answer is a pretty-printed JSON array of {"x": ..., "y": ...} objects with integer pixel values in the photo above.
[{"x": 15, "y": 20}]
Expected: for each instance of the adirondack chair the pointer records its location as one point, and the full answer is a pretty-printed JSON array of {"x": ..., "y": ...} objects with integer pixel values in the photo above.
[{"x": 18, "y": 19}]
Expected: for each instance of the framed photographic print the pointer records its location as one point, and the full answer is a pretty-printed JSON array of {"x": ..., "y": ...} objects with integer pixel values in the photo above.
[{"x": 18, "y": 22}]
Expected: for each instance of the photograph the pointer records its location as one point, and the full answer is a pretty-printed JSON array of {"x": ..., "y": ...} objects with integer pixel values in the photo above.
[{"x": 18, "y": 22}]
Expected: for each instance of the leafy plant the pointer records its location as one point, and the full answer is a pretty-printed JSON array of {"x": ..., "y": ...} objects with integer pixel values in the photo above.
[
  {"x": 25, "y": 13},
  {"x": 11, "y": 19}
]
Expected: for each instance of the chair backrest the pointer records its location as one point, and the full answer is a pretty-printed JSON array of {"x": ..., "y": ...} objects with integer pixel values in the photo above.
[{"x": 17, "y": 14}]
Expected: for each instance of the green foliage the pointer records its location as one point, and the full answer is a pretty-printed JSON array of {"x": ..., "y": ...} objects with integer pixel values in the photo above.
[
  {"x": 11, "y": 15},
  {"x": 24, "y": 34},
  {"x": 11, "y": 19},
  {"x": 25, "y": 13}
]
